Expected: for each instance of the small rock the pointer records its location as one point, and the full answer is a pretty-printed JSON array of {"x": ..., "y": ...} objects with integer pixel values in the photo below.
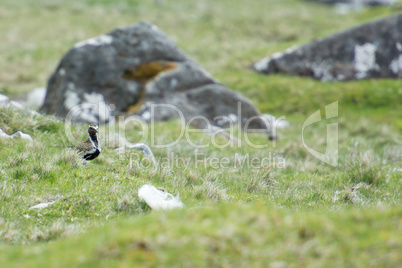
[
  {"x": 278, "y": 123},
  {"x": 7, "y": 103},
  {"x": 18, "y": 134},
  {"x": 357, "y": 3},
  {"x": 3, "y": 99},
  {"x": 35, "y": 98}
]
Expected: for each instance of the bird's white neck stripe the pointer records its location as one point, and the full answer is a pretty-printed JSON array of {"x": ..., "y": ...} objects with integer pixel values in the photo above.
[{"x": 97, "y": 144}]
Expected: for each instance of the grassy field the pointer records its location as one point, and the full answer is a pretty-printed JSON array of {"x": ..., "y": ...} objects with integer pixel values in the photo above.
[{"x": 289, "y": 211}]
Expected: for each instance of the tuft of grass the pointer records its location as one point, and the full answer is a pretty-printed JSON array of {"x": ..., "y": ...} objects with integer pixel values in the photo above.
[
  {"x": 70, "y": 159},
  {"x": 129, "y": 204},
  {"x": 210, "y": 191},
  {"x": 57, "y": 230},
  {"x": 260, "y": 183},
  {"x": 366, "y": 169}
]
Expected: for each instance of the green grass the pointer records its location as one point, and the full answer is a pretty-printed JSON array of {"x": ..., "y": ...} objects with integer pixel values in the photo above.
[
  {"x": 249, "y": 236},
  {"x": 290, "y": 211}
]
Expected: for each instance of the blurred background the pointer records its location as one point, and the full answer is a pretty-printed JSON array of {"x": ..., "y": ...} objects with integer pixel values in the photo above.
[{"x": 225, "y": 37}]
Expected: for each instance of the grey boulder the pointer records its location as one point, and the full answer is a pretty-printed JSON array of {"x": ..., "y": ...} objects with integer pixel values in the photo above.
[
  {"x": 139, "y": 70},
  {"x": 372, "y": 50}
]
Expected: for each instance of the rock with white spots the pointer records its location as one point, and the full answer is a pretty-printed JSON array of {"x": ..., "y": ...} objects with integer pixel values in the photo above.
[
  {"x": 5, "y": 102},
  {"x": 372, "y": 50},
  {"x": 138, "y": 70},
  {"x": 357, "y": 3}
]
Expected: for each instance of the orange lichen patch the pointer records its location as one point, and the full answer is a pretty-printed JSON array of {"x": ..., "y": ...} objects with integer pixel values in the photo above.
[
  {"x": 148, "y": 71},
  {"x": 142, "y": 74},
  {"x": 133, "y": 108},
  {"x": 123, "y": 55}
]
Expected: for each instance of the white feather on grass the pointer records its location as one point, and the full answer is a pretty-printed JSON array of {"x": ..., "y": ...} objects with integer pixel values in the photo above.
[
  {"x": 42, "y": 205},
  {"x": 157, "y": 199}
]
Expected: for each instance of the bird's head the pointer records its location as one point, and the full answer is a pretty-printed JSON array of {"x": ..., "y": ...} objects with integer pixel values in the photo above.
[{"x": 93, "y": 127}]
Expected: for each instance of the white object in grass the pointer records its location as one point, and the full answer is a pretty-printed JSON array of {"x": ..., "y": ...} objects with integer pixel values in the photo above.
[
  {"x": 41, "y": 205},
  {"x": 157, "y": 199},
  {"x": 18, "y": 134},
  {"x": 3, "y": 98}
]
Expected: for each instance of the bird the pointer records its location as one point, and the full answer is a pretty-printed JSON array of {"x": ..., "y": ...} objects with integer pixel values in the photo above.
[{"x": 91, "y": 148}]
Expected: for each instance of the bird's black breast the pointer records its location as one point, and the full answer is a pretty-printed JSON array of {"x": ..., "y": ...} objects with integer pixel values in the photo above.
[{"x": 91, "y": 156}]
